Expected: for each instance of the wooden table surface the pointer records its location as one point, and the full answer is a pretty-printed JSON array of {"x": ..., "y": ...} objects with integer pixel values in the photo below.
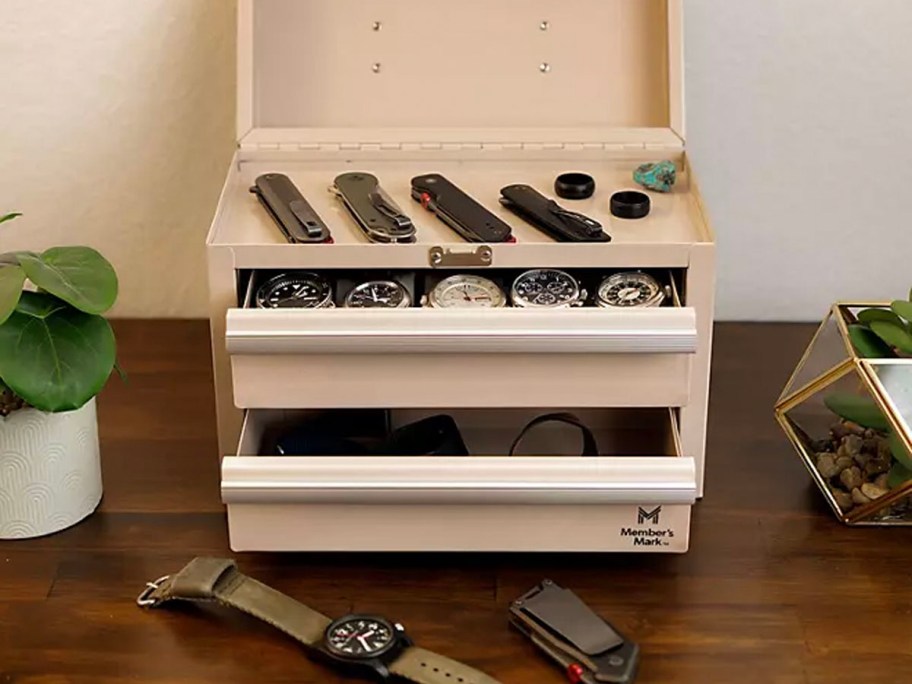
[{"x": 774, "y": 590}]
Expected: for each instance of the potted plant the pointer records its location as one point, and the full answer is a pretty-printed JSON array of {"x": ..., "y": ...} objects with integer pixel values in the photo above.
[
  {"x": 56, "y": 353},
  {"x": 848, "y": 411}
]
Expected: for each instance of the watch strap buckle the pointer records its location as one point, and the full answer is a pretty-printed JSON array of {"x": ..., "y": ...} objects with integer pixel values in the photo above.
[{"x": 150, "y": 596}]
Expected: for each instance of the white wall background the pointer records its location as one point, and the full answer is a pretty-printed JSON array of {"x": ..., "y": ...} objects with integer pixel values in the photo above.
[
  {"x": 800, "y": 126},
  {"x": 116, "y": 130},
  {"x": 116, "y": 127}
]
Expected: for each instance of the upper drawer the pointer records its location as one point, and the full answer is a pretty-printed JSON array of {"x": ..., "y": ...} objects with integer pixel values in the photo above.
[{"x": 429, "y": 331}]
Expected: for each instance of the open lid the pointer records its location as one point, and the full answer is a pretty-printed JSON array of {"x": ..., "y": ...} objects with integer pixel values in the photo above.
[{"x": 478, "y": 71}]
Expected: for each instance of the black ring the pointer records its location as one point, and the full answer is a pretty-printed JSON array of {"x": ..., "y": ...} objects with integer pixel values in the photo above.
[
  {"x": 630, "y": 204},
  {"x": 574, "y": 186}
]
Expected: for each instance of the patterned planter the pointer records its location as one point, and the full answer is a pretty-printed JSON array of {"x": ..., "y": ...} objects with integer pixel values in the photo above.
[{"x": 50, "y": 471}]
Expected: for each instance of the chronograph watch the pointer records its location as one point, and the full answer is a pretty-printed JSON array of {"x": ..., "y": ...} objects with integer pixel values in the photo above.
[
  {"x": 546, "y": 288},
  {"x": 368, "y": 646}
]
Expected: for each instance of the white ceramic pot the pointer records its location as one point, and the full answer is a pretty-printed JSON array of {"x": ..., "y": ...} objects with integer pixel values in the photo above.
[{"x": 50, "y": 471}]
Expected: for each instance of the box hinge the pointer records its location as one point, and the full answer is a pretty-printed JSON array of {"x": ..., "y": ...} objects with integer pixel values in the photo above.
[{"x": 473, "y": 146}]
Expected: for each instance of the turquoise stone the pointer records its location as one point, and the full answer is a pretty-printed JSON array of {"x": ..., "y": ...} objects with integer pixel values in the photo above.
[{"x": 658, "y": 176}]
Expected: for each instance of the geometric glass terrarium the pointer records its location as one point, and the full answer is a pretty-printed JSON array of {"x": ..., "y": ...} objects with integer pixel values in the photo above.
[{"x": 847, "y": 409}]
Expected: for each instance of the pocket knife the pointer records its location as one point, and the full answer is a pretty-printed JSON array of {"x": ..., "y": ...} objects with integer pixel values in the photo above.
[
  {"x": 566, "y": 630},
  {"x": 460, "y": 212},
  {"x": 373, "y": 209},
  {"x": 292, "y": 213},
  {"x": 551, "y": 218}
]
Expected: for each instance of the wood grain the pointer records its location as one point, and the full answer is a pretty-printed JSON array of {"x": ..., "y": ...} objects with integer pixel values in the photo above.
[{"x": 774, "y": 590}]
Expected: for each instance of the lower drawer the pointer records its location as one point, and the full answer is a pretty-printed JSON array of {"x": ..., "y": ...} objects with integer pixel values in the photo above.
[{"x": 635, "y": 496}]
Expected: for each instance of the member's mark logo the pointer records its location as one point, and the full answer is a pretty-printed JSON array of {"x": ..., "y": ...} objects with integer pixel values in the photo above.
[{"x": 652, "y": 516}]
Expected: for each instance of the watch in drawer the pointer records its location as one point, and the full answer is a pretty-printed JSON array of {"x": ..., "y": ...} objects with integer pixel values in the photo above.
[
  {"x": 295, "y": 290},
  {"x": 630, "y": 290},
  {"x": 547, "y": 288},
  {"x": 466, "y": 291},
  {"x": 378, "y": 294}
]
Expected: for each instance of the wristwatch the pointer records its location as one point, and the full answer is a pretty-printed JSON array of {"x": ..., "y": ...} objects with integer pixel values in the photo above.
[
  {"x": 466, "y": 291},
  {"x": 378, "y": 294},
  {"x": 295, "y": 290},
  {"x": 360, "y": 645},
  {"x": 546, "y": 288},
  {"x": 629, "y": 290}
]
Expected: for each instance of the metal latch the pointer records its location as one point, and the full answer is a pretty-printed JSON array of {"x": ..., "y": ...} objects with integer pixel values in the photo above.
[{"x": 447, "y": 258}]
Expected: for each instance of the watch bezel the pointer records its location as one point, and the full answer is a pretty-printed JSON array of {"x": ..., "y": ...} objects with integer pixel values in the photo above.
[
  {"x": 521, "y": 302},
  {"x": 404, "y": 304},
  {"x": 433, "y": 297},
  {"x": 398, "y": 639},
  {"x": 325, "y": 283},
  {"x": 655, "y": 301}
]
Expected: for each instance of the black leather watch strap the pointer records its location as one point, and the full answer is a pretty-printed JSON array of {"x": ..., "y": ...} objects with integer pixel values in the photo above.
[{"x": 590, "y": 447}]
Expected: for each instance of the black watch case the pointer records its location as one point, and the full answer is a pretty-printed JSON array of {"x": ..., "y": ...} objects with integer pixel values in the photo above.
[{"x": 363, "y": 645}]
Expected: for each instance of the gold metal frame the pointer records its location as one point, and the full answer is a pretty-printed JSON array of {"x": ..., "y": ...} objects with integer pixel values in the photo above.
[{"x": 865, "y": 370}]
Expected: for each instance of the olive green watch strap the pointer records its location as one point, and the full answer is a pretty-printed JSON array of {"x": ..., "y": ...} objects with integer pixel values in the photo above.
[
  {"x": 425, "y": 667},
  {"x": 218, "y": 579}
]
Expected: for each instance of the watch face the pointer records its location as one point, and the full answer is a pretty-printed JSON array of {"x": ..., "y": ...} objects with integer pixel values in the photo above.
[
  {"x": 360, "y": 637},
  {"x": 467, "y": 291},
  {"x": 378, "y": 294},
  {"x": 630, "y": 290},
  {"x": 294, "y": 291},
  {"x": 545, "y": 287}
]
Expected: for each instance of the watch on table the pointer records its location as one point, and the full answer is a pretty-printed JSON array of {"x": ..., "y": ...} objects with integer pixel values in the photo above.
[
  {"x": 546, "y": 288},
  {"x": 359, "y": 645},
  {"x": 378, "y": 294},
  {"x": 466, "y": 291},
  {"x": 630, "y": 290},
  {"x": 295, "y": 290}
]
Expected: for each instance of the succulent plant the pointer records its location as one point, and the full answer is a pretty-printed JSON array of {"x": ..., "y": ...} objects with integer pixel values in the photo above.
[
  {"x": 879, "y": 334},
  {"x": 884, "y": 333}
]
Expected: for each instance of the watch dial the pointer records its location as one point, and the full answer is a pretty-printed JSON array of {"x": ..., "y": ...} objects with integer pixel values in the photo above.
[
  {"x": 378, "y": 294},
  {"x": 301, "y": 290},
  {"x": 468, "y": 291},
  {"x": 546, "y": 288},
  {"x": 360, "y": 637},
  {"x": 630, "y": 289}
]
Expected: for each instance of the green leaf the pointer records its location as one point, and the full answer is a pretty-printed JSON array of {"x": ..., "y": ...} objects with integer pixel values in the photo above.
[
  {"x": 868, "y": 316},
  {"x": 78, "y": 275},
  {"x": 903, "y": 309},
  {"x": 868, "y": 345},
  {"x": 53, "y": 356},
  {"x": 899, "y": 451},
  {"x": 12, "y": 278},
  {"x": 898, "y": 476},
  {"x": 9, "y": 217},
  {"x": 894, "y": 335},
  {"x": 857, "y": 409}
]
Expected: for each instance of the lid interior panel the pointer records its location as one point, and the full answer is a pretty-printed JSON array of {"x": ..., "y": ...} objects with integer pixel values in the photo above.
[{"x": 467, "y": 64}]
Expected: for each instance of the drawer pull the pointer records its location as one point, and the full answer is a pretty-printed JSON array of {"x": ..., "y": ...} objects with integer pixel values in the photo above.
[{"x": 439, "y": 257}]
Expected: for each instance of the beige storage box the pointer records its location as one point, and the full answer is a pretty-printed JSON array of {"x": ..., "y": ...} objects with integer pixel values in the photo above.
[{"x": 487, "y": 93}]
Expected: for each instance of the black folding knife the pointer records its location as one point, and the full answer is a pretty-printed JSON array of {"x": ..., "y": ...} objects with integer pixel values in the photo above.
[
  {"x": 373, "y": 209},
  {"x": 551, "y": 218},
  {"x": 566, "y": 630},
  {"x": 460, "y": 212},
  {"x": 295, "y": 217}
]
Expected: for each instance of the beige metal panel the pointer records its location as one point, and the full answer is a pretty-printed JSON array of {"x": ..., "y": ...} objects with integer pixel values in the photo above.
[
  {"x": 319, "y": 63},
  {"x": 465, "y": 380},
  {"x": 303, "y": 527}
]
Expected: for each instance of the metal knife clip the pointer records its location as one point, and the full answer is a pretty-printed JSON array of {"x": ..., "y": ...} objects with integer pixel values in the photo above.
[
  {"x": 589, "y": 226},
  {"x": 386, "y": 206}
]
